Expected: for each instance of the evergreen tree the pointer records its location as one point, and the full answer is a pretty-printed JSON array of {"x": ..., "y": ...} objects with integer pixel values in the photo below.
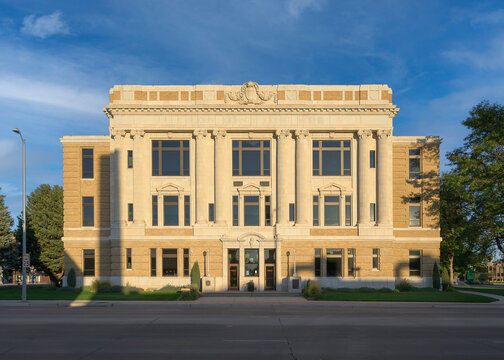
[
  {"x": 44, "y": 211},
  {"x": 9, "y": 256}
]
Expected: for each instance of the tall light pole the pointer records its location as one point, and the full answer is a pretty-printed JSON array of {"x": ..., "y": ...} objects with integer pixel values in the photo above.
[{"x": 23, "y": 294}]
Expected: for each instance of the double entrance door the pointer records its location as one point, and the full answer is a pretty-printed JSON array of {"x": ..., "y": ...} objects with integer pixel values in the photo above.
[{"x": 234, "y": 269}]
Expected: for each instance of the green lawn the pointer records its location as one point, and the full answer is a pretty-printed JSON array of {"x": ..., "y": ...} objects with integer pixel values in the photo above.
[
  {"x": 421, "y": 295},
  {"x": 495, "y": 291},
  {"x": 48, "y": 293}
]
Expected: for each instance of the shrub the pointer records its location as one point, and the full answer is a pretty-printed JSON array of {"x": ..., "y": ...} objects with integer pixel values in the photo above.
[
  {"x": 99, "y": 286},
  {"x": 436, "y": 280},
  {"x": 366, "y": 290},
  {"x": 314, "y": 290},
  {"x": 170, "y": 288},
  {"x": 195, "y": 275},
  {"x": 384, "y": 290},
  {"x": 404, "y": 285},
  {"x": 193, "y": 294},
  {"x": 445, "y": 278},
  {"x": 71, "y": 280}
]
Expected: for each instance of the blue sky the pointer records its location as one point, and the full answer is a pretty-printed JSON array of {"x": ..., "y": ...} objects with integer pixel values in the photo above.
[{"x": 58, "y": 60}]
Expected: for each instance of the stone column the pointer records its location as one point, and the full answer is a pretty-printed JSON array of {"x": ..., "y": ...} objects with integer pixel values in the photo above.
[
  {"x": 222, "y": 178},
  {"x": 284, "y": 158},
  {"x": 202, "y": 188},
  {"x": 139, "y": 189},
  {"x": 303, "y": 177},
  {"x": 384, "y": 177},
  {"x": 363, "y": 176}
]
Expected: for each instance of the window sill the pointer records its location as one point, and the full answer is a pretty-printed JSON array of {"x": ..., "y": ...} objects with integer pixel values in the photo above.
[{"x": 87, "y": 179}]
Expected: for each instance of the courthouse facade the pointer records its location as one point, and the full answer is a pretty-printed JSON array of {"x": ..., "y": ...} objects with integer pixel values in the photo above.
[{"x": 257, "y": 183}]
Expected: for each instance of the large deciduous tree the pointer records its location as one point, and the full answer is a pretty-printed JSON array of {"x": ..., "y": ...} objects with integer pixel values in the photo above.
[
  {"x": 44, "y": 211},
  {"x": 9, "y": 255},
  {"x": 480, "y": 162}
]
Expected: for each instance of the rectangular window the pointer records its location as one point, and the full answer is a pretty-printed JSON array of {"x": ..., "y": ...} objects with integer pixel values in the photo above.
[
  {"x": 169, "y": 262},
  {"x": 170, "y": 210},
  {"x": 187, "y": 210},
  {"x": 376, "y": 259},
  {"x": 154, "y": 210},
  {"x": 315, "y": 211},
  {"x": 87, "y": 164},
  {"x": 348, "y": 211},
  {"x": 372, "y": 212},
  {"x": 235, "y": 210},
  {"x": 130, "y": 212},
  {"x": 170, "y": 158},
  {"x": 89, "y": 262},
  {"x": 186, "y": 262},
  {"x": 318, "y": 262},
  {"x": 334, "y": 262},
  {"x": 414, "y": 163},
  {"x": 251, "y": 210},
  {"x": 211, "y": 214},
  {"x": 130, "y": 159},
  {"x": 331, "y": 211},
  {"x": 251, "y": 262},
  {"x": 351, "y": 262},
  {"x": 88, "y": 211},
  {"x": 233, "y": 256},
  {"x": 372, "y": 159},
  {"x": 153, "y": 262},
  {"x": 251, "y": 157},
  {"x": 267, "y": 210},
  {"x": 414, "y": 212},
  {"x": 415, "y": 263},
  {"x": 269, "y": 256},
  {"x": 292, "y": 212},
  {"x": 331, "y": 158},
  {"x": 128, "y": 259}
]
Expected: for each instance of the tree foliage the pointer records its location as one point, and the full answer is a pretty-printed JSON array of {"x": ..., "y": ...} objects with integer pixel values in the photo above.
[
  {"x": 195, "y": 275},
  {"x": 436, "y": 278},
  {"x": 9, "y": 252},
  {"x": 480, "y": 164},
  {"x": 44, "y": 211}
]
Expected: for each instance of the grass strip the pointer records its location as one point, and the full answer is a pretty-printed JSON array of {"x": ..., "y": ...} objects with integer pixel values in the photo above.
[{"x": 493, "y": 291}]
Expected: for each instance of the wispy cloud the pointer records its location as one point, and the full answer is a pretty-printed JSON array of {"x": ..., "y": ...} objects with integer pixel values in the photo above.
[
  {"x": 44, "y": 26},
  {"x": 490, "y": 58},
  {"x": 296, "y": 7}
]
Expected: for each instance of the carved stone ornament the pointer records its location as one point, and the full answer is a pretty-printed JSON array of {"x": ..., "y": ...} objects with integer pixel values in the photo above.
[
  {"x": 302, "y": 134},
  {"x": 384, "y": 133},
  {"x": 364, "y": 134},
  {"x": 219, "y": 133},
  {"x": 201, "y": 134},
  {"x": 137, "y": 133},
  {"x": 250, "y": 94},
  {"x": 117, "y": 134},
  {"x": 283, "y": 133}
]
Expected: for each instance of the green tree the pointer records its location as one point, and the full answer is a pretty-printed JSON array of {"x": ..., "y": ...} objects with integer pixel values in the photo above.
[
  {"x": 480, "y": 163},
  {"x": 436, "y": 278},
  {"x": 9, "y": 255},
  {"x": 44, "y": 212},
  {"x": 195, "y": 275}
]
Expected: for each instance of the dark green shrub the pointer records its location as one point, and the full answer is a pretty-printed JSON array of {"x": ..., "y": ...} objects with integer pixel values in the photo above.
[
  {"x": 195, "y": 275},
  {"x": 404, "y": 285},
  {"x": 384, "y": 290},
  {"x": 436, "y": 279},
  {"x": 71, "y": 280},
  {"x": 314, "y": 290},
  {"x": 193, "y": 294},
  {"x": 99, "y": 286},
  {"x": 170, "y": 288},
  {"x": 445, "y": 278},
  {"x": 366, "y": 290}
]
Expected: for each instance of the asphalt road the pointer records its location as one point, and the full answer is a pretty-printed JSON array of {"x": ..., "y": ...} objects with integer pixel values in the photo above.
[{"x": 251, "y": 332}]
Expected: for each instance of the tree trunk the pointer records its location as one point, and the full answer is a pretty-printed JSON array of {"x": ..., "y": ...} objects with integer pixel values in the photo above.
[{"x": 451, "y": 269}]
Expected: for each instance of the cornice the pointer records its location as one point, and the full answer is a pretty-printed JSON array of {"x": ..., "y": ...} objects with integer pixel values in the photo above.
[{"x": 112, "y": 110}]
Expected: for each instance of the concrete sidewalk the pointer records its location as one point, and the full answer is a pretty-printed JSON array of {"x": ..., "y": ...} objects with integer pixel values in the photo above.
[{"x": 498, "y": 297}]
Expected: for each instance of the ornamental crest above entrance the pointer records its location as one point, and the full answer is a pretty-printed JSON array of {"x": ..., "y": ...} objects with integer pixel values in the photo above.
[{"x": 250, "y": 95}]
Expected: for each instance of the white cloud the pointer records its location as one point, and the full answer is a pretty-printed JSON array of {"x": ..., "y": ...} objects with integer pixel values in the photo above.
[
  {"x": 490, "y": 58},
  {"x": 44, "y": 26},
  {"x": 296, "y": 7}
]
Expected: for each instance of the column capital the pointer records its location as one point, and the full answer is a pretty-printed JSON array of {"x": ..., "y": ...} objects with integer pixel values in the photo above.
[
  {"x": 364, "y": 134},
  {"x": 302, "y": 133},
  {"x": 219, "y": 133},
  {"x": 201, "y": 134},
  {"x": 117, "y": 134},
  {"x": 384, "y": 133},
  {"x": 137, "y": 133},
  {"x": 283, "y": 133}
]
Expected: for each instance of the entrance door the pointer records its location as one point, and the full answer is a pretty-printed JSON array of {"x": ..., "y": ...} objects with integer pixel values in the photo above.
[
  {"x": 233, "y": 277},
  {"x": 270, "y": 277}
]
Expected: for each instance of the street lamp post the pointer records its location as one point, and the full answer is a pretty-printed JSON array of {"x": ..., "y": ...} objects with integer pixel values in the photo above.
[{"x": 23, "y": 294}]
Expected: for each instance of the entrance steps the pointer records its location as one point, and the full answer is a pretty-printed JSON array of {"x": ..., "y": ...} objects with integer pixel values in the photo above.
[{"x": 270, "y": 294}]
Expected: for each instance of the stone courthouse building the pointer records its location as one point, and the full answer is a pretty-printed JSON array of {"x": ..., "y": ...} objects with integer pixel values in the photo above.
[{"x": 261, "y": 183}]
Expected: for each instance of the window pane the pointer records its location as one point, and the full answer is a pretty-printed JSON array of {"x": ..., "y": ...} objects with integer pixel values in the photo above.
[
  {"x": 89, "y": 262},
  {"x": 346, "y": 162},
  {"x": 331, "y": 216},
  {"x": 372, "y": 212},
  {"x": 346, "y": 143},
  {"x": 88, "y": 211},
  {"x": 266, "y": 163},
  {"x": 315, "y": 143},
  {"x": 169, "y": 266},
  {"x": 251, "y": 143},
  {"x": 186, "y": 262},
  {"x": 351, "y": 262},
  {"x": 348, "y": 215},
  {"x": 87, "y": 164},
  {"x": 153, "y": 262},
  {"x": 376, "y": 259},
  {"x": 318, "y": 256},
  {"x": 130, "y": 212},
  {"x": 211, "y": 216},
  {"x": 186, "y": 163},
  {"x": 292, "y": 215},
  {"x": 414, "y": 168},
  {"x": 251, "y": 163},
  {"x": 414, "y": 215},
  {"x": 171, "y": 211},
  {"x": 154, "y": 210},
  {"x": 233, "y": 256},
  {"x": 414, "y": 152},
  {"x": 334, "y": 267},
  {"x": 155, "y": 162},
  {"x": 414, "y": 265},
  {"x": 130, "y": 159},
  {"x": 235, "y": 210},
  {"x": 316, "y": 165},
  {"x": 128, "y": 258},
  {"x": 187, "y": 211},
  {"x": 251, "y": 211},
  {"x": 331, "y": 163},
  {"x": 251, "y": 262},
  {"x": 236, "y": 162},
  {"x": 170, "y": 163},
  {"x": 269, "y": 256},
  {"x": 331, "y": 144},
  {"x": 170, "y": 144},
  {"x": 372, "y": 158}
]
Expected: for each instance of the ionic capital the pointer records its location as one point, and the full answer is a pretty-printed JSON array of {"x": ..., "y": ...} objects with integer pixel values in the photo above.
[
  {"x": 384, "y": 133},
  {"x": 219, "y": 134},
  {"x": 117, "y": 134},
  {"x": 302, "y": 134},
  {"x": 201, "y": 134},
  {"x": 364, "y": 134},
  {"x": 137, "y": 133}
]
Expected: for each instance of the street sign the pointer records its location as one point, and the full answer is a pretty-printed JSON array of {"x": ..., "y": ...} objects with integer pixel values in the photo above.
[{"x": 26, "y": 260}]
